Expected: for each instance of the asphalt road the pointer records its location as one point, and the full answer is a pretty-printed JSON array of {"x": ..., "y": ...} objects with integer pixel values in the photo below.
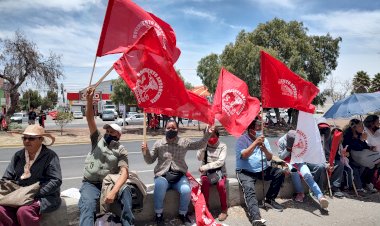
[{"x": 72, "y": 160}]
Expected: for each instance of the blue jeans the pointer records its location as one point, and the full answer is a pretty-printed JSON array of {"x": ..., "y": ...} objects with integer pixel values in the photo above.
[
  {"x": 306, "y": 174},
  {"x": 161, "y": 185},
  {"x": 90, "y": 194}
]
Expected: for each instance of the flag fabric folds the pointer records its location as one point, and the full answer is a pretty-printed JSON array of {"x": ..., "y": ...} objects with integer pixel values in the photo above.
[
  {"x": 203, "y": 216},
  {"x": 197, "y": 108},
  {"x": 282, "y": 88},
  {"x": 149, "y": 73},
  {"x": 336, "y": 139},
  {"x": 125, "y": 23},
  {"x": 233, "y": 106},
  {"x": 307, "y": 145}
]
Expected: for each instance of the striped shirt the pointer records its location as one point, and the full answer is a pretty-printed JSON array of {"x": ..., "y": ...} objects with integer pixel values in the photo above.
[{"x": 172, "y": 154}]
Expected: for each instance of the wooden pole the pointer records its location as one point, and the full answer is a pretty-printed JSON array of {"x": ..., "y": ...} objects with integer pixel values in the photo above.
[
  {"x": 144, "y": 128},
  {"x": 262, "y": 155},
  {"x": 93, "y": 69},
  {"x": 103, "y": 77}
]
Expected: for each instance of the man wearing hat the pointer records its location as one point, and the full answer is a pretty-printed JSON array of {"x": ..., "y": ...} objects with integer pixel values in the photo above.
[
  {"x": 34, "y": 163},
  {"x": 107, "y": 156}
]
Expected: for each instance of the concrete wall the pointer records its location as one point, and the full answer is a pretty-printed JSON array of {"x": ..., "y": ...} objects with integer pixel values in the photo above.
[{"x": 68, "y": 213}]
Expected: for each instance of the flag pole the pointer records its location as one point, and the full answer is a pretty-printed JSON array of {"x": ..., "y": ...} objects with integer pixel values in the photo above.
[
  {"x": 103, "y": 77},
  {"x": 144, "y": 128},
  {"x": 93, "y": 69},
  {"x": 262, "y": 162}
]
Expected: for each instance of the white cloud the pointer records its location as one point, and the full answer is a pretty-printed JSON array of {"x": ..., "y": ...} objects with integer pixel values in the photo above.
[
  {"x": 65, "y": 5},
  {"x": 201, "y": 14},
  {"x": 288, "y": 4}
]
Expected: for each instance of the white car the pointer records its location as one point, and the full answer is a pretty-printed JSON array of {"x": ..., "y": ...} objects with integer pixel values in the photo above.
[
  {"x": 136, "y": 119},
  {"x": 77, "y": 114},
  {"x": 19, "y": 117}
]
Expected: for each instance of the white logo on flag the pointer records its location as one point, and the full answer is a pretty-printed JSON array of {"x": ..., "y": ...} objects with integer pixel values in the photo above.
[
  {"x": 148, "y": 24},
  {"x": 149, "y": 86},
  {"x": 288, "y": 88},
  {"x": 307, "y": 144},
  {"x": 233, "y": 102}
]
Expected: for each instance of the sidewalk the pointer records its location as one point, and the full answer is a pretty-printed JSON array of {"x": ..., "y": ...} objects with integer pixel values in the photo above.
[{"x": 342, "y": 212}]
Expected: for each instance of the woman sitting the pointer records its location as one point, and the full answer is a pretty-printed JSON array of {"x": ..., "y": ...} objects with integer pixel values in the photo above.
[
  {"x": 34, "y": 163},
  {"x": 362, "y": 156},
  {"x": 285, "y": 144},
  {"x": 213, "y": 170},
  {"x": 371, "y": 127}
]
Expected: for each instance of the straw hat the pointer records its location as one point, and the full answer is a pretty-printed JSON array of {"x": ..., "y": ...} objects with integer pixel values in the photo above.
[{"x": 37, "y": 130}]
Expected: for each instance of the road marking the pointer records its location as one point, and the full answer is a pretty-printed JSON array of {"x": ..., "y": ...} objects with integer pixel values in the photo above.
[{"x": 76, "y": 178}]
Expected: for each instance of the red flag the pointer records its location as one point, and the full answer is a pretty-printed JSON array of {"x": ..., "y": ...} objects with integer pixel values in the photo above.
[
  {"x": 203, "y": 216},
  {"x": 336, "y": 139},
  {"x": 197, "y": 108},
  {"x": 233, "y": 106},
  {"x": 124, "y": 24},
  {"x": 150, "y": 75},
  {"x": 282, "y": 88}
]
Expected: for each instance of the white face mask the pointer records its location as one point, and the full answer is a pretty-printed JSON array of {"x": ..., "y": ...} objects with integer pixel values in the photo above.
[{"x": 258, "y": 133}]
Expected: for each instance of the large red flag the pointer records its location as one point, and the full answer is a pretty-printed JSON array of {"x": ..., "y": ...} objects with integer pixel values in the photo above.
[
  {"x": 282, "y": 88},
  {"x": 125, "y": 22},
  {"x": 203, "y": 217},
  {"x": 197, "y": 108},
  {"x": 233, "y": 106},
  {"x": 150, "y": 75}
]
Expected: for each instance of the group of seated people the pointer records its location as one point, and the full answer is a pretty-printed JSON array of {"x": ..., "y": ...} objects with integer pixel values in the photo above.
[{"x": 37, "y": 163}]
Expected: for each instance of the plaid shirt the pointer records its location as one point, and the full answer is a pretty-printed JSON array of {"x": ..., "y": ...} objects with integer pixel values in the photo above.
[{"x": 172, "y": 154}]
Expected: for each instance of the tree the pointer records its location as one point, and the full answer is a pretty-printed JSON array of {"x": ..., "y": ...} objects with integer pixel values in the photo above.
[
  {"x": 50, "y": 100},
  {"x": 375, "y": 84},
  {"x": 122, "y": 94},
  {"x": 311, "y": 57},
  {"x": 337, "y": 90},
  {"x": 62, "y": 119},
  {"x": 361, "y": 82},
  {"x": 188, "y": 85},
  {"x": 30, "y": 99},
  {"x": 22, "y": 64}
]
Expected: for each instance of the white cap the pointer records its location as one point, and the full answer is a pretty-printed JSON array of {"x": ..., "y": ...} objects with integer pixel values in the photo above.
[{"x": 113, "y": 126}]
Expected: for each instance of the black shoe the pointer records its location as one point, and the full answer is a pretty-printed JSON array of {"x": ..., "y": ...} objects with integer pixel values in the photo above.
[
  {"x": 160, "y": 220},
  {"x": 274, "y": 205},
  {"x": 337, "y": 192},
  {"x": 185, "y": 219}
]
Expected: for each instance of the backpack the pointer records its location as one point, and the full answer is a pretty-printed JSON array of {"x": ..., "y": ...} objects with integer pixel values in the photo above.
[{"x": 108, "y": 219}]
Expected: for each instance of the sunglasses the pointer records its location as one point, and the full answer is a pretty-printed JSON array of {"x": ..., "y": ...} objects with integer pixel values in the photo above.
[{"x": 29, "y": 138}]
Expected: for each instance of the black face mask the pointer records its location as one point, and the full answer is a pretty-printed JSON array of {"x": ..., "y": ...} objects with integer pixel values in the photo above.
[
  {"x": 108, "y": 138},
  {"x": 170, "y": 134}
]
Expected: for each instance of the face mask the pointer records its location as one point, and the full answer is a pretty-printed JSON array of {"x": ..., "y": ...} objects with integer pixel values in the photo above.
[
  {"x": 108, "y": 138},
  {"x": 258, "y": 133},
  {"x": 213, "y": 140},
  {"x": 170, "y": 134}
]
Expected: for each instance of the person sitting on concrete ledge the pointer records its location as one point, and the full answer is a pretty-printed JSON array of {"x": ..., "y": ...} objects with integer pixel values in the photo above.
[
  {"x": 252, "y": 155},
  {"x": 171, "y": 168},
  {"x": 213, "y": 170},
  {"x": 107, "y": 156},
  {"x": 285, "y": 144},
  {"x": 34, "y": 165}
]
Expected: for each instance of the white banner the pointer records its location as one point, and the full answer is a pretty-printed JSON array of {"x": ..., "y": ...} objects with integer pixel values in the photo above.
[{"x": 307, "y": 145}]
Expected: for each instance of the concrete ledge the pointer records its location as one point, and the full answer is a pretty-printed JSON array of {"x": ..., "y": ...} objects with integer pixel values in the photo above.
[{"x": 68, "y": 213}]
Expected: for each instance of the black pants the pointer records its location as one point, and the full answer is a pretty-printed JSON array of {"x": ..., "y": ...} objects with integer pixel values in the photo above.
[{"x": 247, "y": 181}]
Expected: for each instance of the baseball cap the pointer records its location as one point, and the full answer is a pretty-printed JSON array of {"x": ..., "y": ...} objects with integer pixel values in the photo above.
[{"x": 113, "y": 126}]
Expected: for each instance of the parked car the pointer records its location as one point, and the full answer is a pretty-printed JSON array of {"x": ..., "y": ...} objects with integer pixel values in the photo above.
[
  {"x": 77, "y": 114},
  {"x": 19, "y": 117},
  {"x": 108, "y": 115},
  {"x": 135, "y": 119}
]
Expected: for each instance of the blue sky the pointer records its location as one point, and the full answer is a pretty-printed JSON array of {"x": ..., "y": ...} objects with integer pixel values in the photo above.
[{"x": 71, "y": 28}]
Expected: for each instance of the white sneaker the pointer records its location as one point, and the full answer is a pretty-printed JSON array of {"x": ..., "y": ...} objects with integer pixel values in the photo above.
[
  {"x": 323, "y": 202},
  {"x": 371, "y": 188}
]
